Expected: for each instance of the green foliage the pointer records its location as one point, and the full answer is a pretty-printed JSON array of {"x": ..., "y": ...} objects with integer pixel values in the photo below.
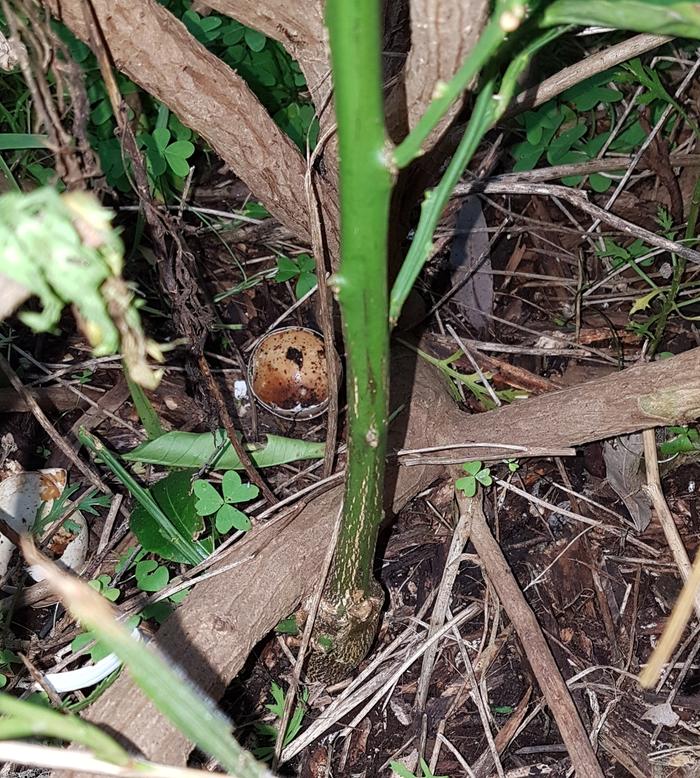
[
  {"x": 662, "y": 17},
  {"x": 43, "y": 249},
  {"x": 682, "y": 440},
  {"x": 302, "y": 267},
  {"x": 63, "y": 249},
  {"x": 173, "y": 496},
  {"x": 214, "y": 450},
  {"x": 87, "y": 504},
  {"x": 288, "y": 626},
  {"x": 150, "y": 576},
  {"x": 476, "y": 474},
  {"x": 269, "y": 732},
  {"x": 424, "y": 771},
  {"x": 7, "y": 659},
  {"x": 102, "y": 584},
  {"x": 210, "y": 501}
]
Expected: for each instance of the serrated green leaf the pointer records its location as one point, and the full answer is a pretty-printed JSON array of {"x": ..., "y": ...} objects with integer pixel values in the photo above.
[
  {"x": 208, "y": 498},
  {"x": 195, "y": 450},
  {"x": 643, "y": 302}
]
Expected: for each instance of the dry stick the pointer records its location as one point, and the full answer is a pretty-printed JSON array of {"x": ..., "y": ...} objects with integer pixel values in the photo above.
[
  {"x": 460, "y": 537},
  {"x": 579, "y": 200},
  {"x": 575, "y": 74},
  {"x": 50, "y": 430},
  {"x": 238, "y": 446},
  {"x": 536, "y": 649},
  {"x": 324, "y": 305},
  {"x": 656, "y": 495},
  {"x": 674, "y": 627},
  {"x": 305, "y": 640}
]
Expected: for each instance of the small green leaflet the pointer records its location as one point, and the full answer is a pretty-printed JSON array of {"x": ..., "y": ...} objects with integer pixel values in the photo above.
[
  {"x": 209, "y": 501},
  {"x": 475, "y": 474}
]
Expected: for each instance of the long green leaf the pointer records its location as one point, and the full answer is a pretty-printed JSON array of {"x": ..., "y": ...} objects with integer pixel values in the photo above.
[
  {"x": 195, "y": 450},
  {"x": 664, "y": 17},
  {"x": 191, "y": 550},
  {"x": 28, "y": 720},
  {"x": 13, "y": 141},
  {"x": 188, "y": 709}
]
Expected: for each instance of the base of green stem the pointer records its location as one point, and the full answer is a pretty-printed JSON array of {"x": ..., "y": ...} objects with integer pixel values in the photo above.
[{"x": 344, "y": 631}]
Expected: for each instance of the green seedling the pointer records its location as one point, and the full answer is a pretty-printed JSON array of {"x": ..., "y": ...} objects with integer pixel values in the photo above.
[
  {"x": 102, "y": 584},
  {"x": 7, "y": 659},
  {"x": 683, "y": 440},
  {"x": 89, "y": 503},
  {"x": 475, "y": 474},
  {"x": 512, "y": 464},
  {"x": 303, "y": 268},
  {"x": 269, "y": 731},
  {"x": 424, "y": 771},
  {"x": 150, "y": 576},
  {"x": 233, "y": 491},
  {"x": 288, "y": 626}
]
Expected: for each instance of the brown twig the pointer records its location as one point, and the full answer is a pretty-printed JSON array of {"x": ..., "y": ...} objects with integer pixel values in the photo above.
[
  {"x": 226, "y": 420},
  {"x": 48, "y": 427},
  {"x": 580, "y": 71},
  {"x": 654, "y": 491},
  {"x": 577, "y": 199},
  {"x": 537, "y": 650}
]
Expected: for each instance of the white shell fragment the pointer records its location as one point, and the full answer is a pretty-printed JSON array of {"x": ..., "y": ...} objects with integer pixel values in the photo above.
[{"x": 22, "y": 495}]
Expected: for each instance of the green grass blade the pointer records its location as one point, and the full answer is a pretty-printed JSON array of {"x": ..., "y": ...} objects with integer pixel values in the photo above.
[{"x": 188, "y": 709}]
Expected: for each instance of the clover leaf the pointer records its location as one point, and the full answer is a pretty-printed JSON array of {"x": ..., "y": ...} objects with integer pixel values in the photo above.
[
  {"x": 233, "y": 490},
  {"x": 476, "y": 474}
]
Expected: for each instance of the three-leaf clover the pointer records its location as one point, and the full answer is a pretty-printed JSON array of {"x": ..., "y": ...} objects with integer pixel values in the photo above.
[
  {"x": 209, "y": 501},
  {"x": 303, "y": 268},
  {"x": 150, "y": 576},
  {"x": 162, "y": 154},
  {"x": 475, "y": 474}
]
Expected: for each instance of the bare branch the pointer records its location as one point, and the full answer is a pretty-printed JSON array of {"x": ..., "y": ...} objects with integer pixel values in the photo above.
[
  {"x": 156, "y": 51},
  {"x": 442, "y": 35}
]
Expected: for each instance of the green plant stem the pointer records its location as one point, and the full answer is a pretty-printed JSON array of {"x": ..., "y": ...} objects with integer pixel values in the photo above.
[
  {"x": 508, "y": 16},
  {"x": 679, "y": 265},
  {"x": 436, "y": 199},
  {"x": 361, "y": 282},
  {"x": 489, "y": 107},
  {"x": 28, "y": 720}
]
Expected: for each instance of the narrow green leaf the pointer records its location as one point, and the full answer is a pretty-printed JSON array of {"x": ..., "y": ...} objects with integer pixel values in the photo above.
[
  {"x": 663, "y": 17},
  {"x": 173, "y": 497},
  {"x": 144, "y": 408},
  {"x": 195, "y": 450}
]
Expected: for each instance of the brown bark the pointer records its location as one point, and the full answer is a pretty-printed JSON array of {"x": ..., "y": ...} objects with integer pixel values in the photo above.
[
  {"x": 155, "y": 50},
  {"x": 212, "y": 633},
  {"x": 298, "y": 26},
  {"x": 443, "y": 33}
]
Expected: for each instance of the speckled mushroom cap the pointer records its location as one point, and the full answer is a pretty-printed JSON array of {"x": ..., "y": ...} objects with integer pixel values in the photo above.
[{"x": 287, "y": 373}]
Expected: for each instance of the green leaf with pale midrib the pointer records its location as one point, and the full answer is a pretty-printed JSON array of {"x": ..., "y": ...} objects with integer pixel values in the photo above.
[{"x": 195, "y": 450}]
